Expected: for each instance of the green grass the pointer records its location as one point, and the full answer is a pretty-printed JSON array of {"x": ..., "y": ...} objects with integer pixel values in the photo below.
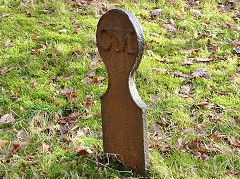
[{"x": 43, "y": 64}]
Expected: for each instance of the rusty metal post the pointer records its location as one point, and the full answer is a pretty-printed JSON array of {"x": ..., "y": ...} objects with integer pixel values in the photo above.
[{"x": 120, "y": 42}]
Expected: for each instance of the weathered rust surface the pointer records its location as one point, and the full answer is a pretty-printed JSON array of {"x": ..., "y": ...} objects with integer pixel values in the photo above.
[{"x": 120, "y": 42}]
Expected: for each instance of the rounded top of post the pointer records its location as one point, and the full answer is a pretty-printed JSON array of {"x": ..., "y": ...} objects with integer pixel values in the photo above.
[{"x": 119, "y": 37}]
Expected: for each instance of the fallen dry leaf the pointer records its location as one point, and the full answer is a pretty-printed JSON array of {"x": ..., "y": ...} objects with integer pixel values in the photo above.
[
  {"x": 150, "y": 52},
  {"x": 34, "y": 36},
  {"x": 100, "y": 135},
  {"x": 100, "y": 8},
  {"x": 202, "y": 150},
  {"x": 195, "y": 13},
  {"x": 69, "y": 93},
  {"x": 88, "y": 102},
  {"x": 7, "y": 119},
  {"x": 87, "y": 81},
  {"x": 21, "y": 134},
  {"x": 76, "y": 52},
  {"x": 213, "y": 148},
  {"x": 155, "y": 12},
  {"x": 6, "y": 14},
  {"x": 201, "y": 104},
  {"x": 88, "y": 116},
  {"x": 216, "y": 137},
  {"x": 233, "y": 76},
  {"x": 3, "y": 143},
  {"x": 233, "y": 172},
  {"x": 67, "y": 139},
  {"x": 84, "y": 152},
  {"x": 188, "y": 130},
  {"x": 179, "y": 143},
  {"x": 18, "y": 90},
  {"x": 70, "y": 118},
  {"x": 94, "y": 61},
  {"x": 154, "y": 99},
  {"x": 159, "y": 70},
  {"x": 163, "y": 148},
  {"x": 98, "y": 115},
  {"x": 19, "y": 145},
  {"x": 170, "y": 28},
  {"x": 203, "y": 60},
  {"x": 43, "y": 173},
  {"x": 218, "y": 106},
  {"x": 186, "y": 62},
  {"x": 180, "y": 74},
  {"x": 4, "y": 45},
  {"x": 154, "y": 41},
  {"x": 35, "y": 51},
  {"x": 207, "y": 88},
  {"x": 200, "y": 72},
  {"x": 63, "y": 31},
  {"x": 84, "y": 131},
  {"x": 221, "y": 93},
  {"x": 97, "y": 80},
  {"x": 185, "y": 90},
  {"x": 6, "y": 69},
  {"x": 67, "y": 123},
  {"x": 29, "y": 15},
  {"x": 74, "y": 116},
  {"x": 43, "y": 148}
]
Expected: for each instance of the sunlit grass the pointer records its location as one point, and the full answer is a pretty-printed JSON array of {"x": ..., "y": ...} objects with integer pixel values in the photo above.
[{"x": 45, "y": 63}]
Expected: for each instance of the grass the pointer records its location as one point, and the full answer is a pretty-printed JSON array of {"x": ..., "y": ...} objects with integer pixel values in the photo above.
[{"x": 37, "y": 62}]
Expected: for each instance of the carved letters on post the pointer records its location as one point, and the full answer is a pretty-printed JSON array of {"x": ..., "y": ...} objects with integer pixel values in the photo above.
[
  {"x": 120, "y": 42},
  {"x": 117, "y": 39}
]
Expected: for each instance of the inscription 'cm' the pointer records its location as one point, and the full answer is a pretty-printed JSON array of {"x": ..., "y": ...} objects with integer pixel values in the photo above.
[{"x": 113, "y": 38}]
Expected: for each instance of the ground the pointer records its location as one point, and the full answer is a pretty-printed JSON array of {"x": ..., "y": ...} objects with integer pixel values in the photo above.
[{"x": 52, "y": 78}]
